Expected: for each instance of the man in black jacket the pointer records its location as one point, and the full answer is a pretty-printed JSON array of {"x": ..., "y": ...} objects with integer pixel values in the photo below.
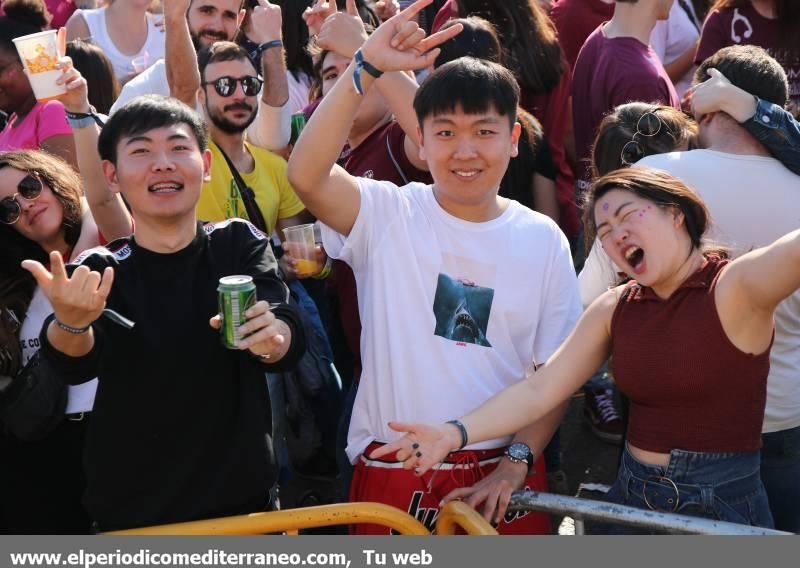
[{"x": 180, "y": 426}]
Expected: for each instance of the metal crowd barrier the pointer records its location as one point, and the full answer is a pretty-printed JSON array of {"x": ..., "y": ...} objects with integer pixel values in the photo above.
[
  {"x": 452, "y": 516},
  {"x": 586, "y": 509},
  {"x": 292, "y": 520},
  {"x": 457, "y": 514}
]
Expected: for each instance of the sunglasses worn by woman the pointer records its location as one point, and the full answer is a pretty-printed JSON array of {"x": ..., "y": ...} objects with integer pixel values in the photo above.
[
  {"x": 689, "y": 338},
  {"x": 29, "y": 188}
]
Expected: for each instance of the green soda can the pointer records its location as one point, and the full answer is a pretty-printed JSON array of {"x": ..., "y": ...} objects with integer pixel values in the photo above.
[
  {"x": 237, "y": 294},
  {"x": 298, "y": 123}
]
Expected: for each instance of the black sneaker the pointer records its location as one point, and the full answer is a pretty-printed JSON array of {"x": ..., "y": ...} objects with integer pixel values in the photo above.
[{"x": 601, "y": 414}]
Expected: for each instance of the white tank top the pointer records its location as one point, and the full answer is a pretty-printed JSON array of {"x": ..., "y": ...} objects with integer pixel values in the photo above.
[{"x": 123, "y": 64}]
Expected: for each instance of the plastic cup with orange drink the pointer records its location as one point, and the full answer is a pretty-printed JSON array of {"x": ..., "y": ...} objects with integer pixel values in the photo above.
[
  {"x": 300, "y": 243},
  {"x": 39, "y": 54}
]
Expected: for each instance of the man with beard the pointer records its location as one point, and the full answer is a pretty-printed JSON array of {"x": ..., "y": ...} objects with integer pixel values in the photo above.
[
  {"x": 191, "y": 25},
  {"x": 228, "y": 94}
]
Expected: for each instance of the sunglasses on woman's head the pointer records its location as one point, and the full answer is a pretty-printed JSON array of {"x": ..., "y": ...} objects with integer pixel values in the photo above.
[
  {"x": 30, "y": 188},
  {"x": 225, "y": 86},
  {"x": 648, "y": 125}
]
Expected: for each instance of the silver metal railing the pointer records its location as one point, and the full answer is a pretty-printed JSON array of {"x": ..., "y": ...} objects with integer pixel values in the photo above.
[{"x": 588, "y": 509}]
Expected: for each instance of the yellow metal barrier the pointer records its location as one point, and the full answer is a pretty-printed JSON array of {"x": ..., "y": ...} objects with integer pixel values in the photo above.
[
  {"x": 457, "y": 514},
  {"x": 292, "y": 520}
]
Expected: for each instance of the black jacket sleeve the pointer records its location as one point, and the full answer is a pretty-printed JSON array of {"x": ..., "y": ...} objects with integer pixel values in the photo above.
[{"x": 73, "y": 370}]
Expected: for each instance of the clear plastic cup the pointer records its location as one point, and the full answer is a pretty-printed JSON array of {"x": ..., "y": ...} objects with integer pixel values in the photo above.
[
  {"x": 141, "y": 63},
  {"x": 39, "y": 55},
  {"x": 301, "y": 245}
]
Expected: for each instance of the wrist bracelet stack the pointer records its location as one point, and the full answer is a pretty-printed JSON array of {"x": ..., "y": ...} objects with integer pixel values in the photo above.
[{"x": 462, "y": 429}]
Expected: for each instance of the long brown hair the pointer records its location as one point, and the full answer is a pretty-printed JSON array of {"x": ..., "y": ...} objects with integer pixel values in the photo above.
[
  {"x": 98, "y": 71},
  {"x": 530, "y": 45},
  {"x": 619, "y": 126},
  {"x": 787, "y": 13},
  {"x": 16, "y": 284},
  {"x": 661, "y": 188}
]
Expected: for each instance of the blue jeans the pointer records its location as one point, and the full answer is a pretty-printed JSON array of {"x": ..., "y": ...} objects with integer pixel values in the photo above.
[
  {"x": 780, "y": 472},
  {"x": 719, "y": 486}
]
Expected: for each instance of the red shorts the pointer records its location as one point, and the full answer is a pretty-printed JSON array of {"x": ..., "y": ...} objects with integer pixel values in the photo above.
[{"x": 385, "y": 481}]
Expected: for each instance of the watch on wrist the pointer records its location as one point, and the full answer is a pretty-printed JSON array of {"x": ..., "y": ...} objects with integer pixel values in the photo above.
[{"x": 520, "y": 453}]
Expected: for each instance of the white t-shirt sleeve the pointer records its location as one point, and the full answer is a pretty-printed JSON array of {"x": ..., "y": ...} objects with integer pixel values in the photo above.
[
  {"x": 561, "y": 303},
  {"x": 598, "y": 275},
  {"x": 382, "y": 202}
]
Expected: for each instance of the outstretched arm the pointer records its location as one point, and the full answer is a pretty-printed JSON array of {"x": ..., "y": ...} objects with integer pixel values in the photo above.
[
  {"x": 330, "y": 193},
  {"x": 761, "y": 279},
  {"x": 520, "y": 405}
]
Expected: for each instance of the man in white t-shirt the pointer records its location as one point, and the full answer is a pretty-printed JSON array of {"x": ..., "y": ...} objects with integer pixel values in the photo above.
[
  {"x": 460, "y": 292},
  {"x": 753, "y": 200},
  {"x": 210, "y": 21}
]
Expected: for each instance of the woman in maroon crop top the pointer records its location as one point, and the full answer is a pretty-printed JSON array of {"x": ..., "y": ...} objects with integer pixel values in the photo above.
[{"x": 690, "y": 337}]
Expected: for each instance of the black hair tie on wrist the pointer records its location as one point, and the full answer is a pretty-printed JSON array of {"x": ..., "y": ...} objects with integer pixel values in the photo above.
[{"x": 462, "y": 430}]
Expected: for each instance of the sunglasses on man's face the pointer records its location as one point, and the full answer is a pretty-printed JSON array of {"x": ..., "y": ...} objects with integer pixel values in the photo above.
[
  {"x": 30, "y": 188},
  {"x": 648, "y": 125},
  {"x": 226, "y": 86}
]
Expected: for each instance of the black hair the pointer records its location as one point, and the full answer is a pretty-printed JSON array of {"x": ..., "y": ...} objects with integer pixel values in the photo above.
[
  {"x": 751, "y": 69},
  {"x": 295, "y": 36},
  {"x": 528, "y": 36},
  {"x": 478, "y": 39},
  {"x": 33, "y": 12},
  {"x": 474, "y": 85},
  {"x": 146, "y": 113},
  {"x": 11, "y": 30},
  {"x": 221, "y": 51}
]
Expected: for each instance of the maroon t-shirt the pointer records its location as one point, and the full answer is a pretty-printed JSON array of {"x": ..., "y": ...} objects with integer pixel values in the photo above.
[
  {"x": 608, "y": 73},
  {"x": 745, "y": 26},
  {"x": 380, "y": 156},
  {"x": 552, "y": 110},
  {"x": 575, "y": 20}
]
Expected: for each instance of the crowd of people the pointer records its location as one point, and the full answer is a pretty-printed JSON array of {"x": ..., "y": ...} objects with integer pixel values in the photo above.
[{"x": 513, "y": 202}]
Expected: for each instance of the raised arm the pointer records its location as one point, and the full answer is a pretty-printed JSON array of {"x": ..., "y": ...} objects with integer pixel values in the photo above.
[
  {"x": 344, "y": 33},
  {"x": 108, "y": 210},
  {"x": 771, "y": 124},
  {"x": 532, "y": 399},
  {"x": 180, "y": 58},
  {"x": 272, "y": 128},
  {"x": 330, "y": 193}
]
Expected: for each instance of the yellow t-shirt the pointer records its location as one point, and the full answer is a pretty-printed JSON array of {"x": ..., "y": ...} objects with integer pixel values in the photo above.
[{"x": 220, "y": 199}]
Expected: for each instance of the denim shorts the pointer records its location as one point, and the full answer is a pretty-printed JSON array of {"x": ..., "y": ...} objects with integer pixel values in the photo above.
[{"x": 720, "y": 486}]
